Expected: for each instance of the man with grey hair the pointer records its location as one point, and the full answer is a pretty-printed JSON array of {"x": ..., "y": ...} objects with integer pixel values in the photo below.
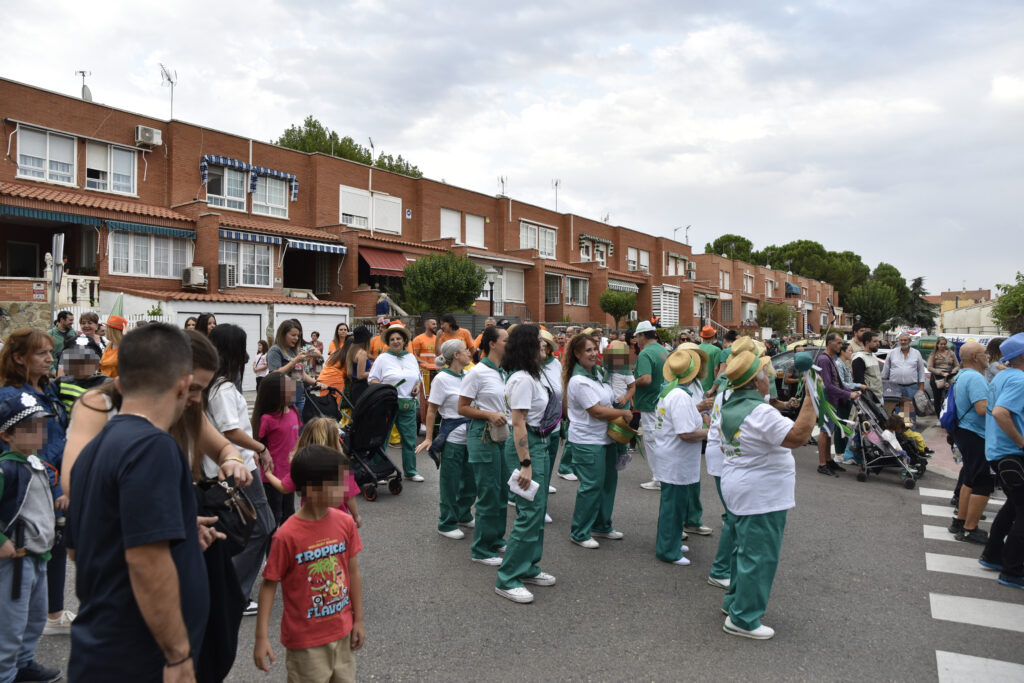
[
  {"x": 905, "y": 366},
  {"x": 971, "y": 398}
]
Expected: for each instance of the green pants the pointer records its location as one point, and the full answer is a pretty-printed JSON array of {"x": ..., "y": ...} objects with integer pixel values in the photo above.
[
  {"x": 675, "y": 501},
  {"x": 694, "y": 510},
  {"x": 752, "y": 570},
  {"x": 408, "y": 423},
  {"x": 457, "y": 487},
  {"x": 553, "y": 441},
  {"x": 565, "y": 464},
  {"x": 526, "y": 539},
  {"x": 726, "y": 541},
  {"x": 485, "y": 459},
  {"x": 595, "y": 496}
]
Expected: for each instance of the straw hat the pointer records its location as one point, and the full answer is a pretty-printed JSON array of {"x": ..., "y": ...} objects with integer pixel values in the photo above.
[
  {"x": 395, "y": 326},
  {"x": 549, "y": 339},
  {"x": 745, "y": 344},
  {"x": 743, "y": 367},
  {"x": 690, "y": 346},
  {"x": 620, "y": 431},
  {"x": 617, "y": 347},
  {"x": 708, "y": 332},
  {"x": 683, "y": 365}
]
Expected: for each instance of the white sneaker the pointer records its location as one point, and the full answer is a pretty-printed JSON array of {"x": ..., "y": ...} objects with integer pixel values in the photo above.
[
  {"x": 568, "y": 477},
  {"x": 542, "y": 579},
  {"x": 415, "y": 477},
  {"x": 423, "y": 429},
  {"x": 512, "y": 503},
  {"x": 552, "y": 489},
  {"x": 762, "y": 632},
  {"x": 653, "y": 485},
  {"x": 520, "y": 594},
  {"x": 469, "y": 525},
  {"x": 613, "y": 534},
  {"x": 61, "y": 626},
  {"x": 685, "y": 536},
  {"x": 589, "y": 544},
  {"x": 489, "y": 561},
  {"x": 500, "y": 548},
  {"x": 547, "y": 518},
  {"x": 682, "y": 562},
  {"x": 719, "y": 583},
  {"x": 251, "y": 609},
  {"x": 684, "y": 548},
  {"x": 699, "y": 530},
  {"x": 455, "y": 534}
]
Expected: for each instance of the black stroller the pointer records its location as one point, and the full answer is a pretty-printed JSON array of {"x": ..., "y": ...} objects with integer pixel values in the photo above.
[
  {"x": 321, "y": 406},
  {"x": 879, "y": 452},
  {"x": 365, "y": 440}
]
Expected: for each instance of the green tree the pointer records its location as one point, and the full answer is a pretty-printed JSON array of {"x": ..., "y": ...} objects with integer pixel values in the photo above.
[
  {"x": 917, "y": 311},
  {"x": 443, "y": 283},
  {"x": 845, "y": 270},
  {"x": 617, "y": 304},
  {"x": 733, "y": 246},
  {"x": 803, "y": 257},
  {"x": 779, "y": 317},
  {"x": 874, "y": 302},
  {"x": 890, "y": 276},
  {"x": 1008, "y": 311},
  {"x": 313, "y": 136}
]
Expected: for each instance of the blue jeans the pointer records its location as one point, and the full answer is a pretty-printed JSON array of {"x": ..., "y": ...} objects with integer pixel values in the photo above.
[{"x": 21, "y": 622}]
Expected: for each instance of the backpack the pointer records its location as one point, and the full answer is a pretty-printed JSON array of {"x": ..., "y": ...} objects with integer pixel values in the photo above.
[
  {"x": 949, "y": 416},
  {"x": 552, "y": 416}
]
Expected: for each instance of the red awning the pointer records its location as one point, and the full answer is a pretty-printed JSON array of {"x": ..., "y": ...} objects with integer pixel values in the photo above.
[{"x": 383, "y": 262}]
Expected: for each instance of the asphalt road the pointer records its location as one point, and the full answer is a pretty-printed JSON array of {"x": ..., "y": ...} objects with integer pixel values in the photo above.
[{"x": 851, "y": 600}]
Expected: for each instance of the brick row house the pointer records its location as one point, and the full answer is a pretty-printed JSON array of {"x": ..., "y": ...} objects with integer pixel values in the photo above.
[{"x": 195, "y": 220}]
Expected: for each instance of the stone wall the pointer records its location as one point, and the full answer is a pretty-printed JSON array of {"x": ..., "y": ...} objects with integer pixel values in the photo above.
[{"x": 24, "y": 314}]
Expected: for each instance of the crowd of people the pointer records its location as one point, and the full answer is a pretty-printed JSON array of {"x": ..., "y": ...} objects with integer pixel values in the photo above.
[{"x": 111, "y": 474}]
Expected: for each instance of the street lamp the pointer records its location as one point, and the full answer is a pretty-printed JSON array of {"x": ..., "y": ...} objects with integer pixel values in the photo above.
[
  {"x": 491, "y": 275},
  {"x": 676, "y": 231}
]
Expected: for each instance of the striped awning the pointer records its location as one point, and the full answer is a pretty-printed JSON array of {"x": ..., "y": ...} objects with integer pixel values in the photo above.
[
  {"x": 792, "y": 289},
  {"x": 216, "y": 160},
  {"x": 45, "y": 215},
  {"x": 144, "y": 229},
  {"x": 384, "y": 261},
  {"x": 623, "y": 286},
  {"x": 257, "y": 237},
  {"x": 323, "y": 247},
  {"x": 290, "y": 178}
]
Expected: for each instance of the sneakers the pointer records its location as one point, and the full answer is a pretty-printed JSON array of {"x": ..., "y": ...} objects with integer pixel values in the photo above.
[
  {"x": 37, "y": 673},
  {"x": 989, "y": 564},
  {"x": 415, "y": 477},
  {"x": 824, "y": 469},
  {"x": 568, "y": 477},
  {"x": 469, "y": 525},
  {"x": 979, "y": 536},
  {"x": 682, "y": 562},
  {"x": 454, "y": 534},
  {"x": 956, "y": 526},
  {"x": 762, "y": 632},
  {"x": 652, "y": 485},
  {"x": 613, "y": 534},
  {"x": 542, "y": 579},
  {"x": 685, "y": 536},
  {"x": 834, "y": 466},
  {"x": 699, "y": 530},
  {"x": 719, "y": 583},
  {"x": 489, "y": 561},
  {"x": 589, "y": 544},
  {"x": 251, "y": 609},
  {"x": 547, "y": 518},
  {"x": 520, "y": 594},
  {"x": 551, "y": 489},
  {"x": 59, "y": 626},
  {"x": 500, "y": 548},
  {"x": 423, "y": 429},
  {"x": 684, "y": 548},
  {"x": 1011, "y": 581}
]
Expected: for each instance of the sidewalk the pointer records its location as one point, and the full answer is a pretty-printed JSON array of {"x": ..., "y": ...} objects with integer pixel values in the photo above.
[{"x": 935, "y": 436}]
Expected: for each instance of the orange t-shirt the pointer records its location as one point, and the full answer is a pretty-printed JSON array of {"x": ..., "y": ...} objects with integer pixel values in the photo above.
[
  {"x": 332, "y": 376},
  {"x": 422, "y": 347},
  {"x": 108, "y": 364},
  {"x": 461, "y": 333},
  {"x": 376, "y": 347}
]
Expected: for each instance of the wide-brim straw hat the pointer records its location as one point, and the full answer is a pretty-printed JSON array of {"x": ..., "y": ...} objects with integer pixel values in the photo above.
[
  {"x": 396, "y": 326},
  {"x": 619, "y": 431},
  {"x": 683, "y": 365},
  {"x": 743, "y": 367},
  {"x": 704, "y": 358},
  {"x": 549, "y": 339}
]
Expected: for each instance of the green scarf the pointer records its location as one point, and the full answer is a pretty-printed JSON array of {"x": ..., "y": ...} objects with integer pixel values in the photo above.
[
  {"x": 675, "y": 381},
  {"x": 489, "y": 363},
  {"x": 397, "y": 354},
  {"x": 596, "y": 374},
  {"x": 736, "y": 409},
  {"x": 453, "y": 373}
]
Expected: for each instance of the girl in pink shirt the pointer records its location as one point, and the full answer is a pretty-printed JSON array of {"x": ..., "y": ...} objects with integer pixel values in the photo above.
[{"x": 275, "y": 422}]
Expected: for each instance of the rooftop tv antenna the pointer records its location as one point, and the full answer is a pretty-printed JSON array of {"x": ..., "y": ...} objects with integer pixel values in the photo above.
[
  {"x": 556, "y": 183},
  {"x": 371, "y": 151},
  {"x": 170, "y": 79},
  {"x": 86, "y": 93},
  {"x": 503, "y": 180}
]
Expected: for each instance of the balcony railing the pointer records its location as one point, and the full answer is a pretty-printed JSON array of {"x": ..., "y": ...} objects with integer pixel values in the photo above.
[{"x": 79, "y": 290}]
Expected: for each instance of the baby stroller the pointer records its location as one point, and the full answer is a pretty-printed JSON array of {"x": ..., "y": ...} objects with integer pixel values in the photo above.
[
  {"x": 365, "y": 440},
  {"x": 321, "y": 406},
  {"x": 876, "y": 450}
]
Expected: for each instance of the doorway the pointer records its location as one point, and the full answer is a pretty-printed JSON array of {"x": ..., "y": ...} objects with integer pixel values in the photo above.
[{"x": 22, "y": 259}]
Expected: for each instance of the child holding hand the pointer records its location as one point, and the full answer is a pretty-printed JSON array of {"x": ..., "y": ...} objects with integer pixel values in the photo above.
[{"x": 275, "y": 422}]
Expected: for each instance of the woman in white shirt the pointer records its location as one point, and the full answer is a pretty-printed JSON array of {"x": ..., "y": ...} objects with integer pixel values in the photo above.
[
  {"x": 594, "y": 454},
  {"x": 551, "y": 378},
  {"x": 619, "y": 371},
  {"x": 457, "y": 488},
  {"x": 482, "y": 400},
  {"x": 527, "y": 453},
  {"x": 399, "y": 368},
  {"x": 693, "y": 521}
]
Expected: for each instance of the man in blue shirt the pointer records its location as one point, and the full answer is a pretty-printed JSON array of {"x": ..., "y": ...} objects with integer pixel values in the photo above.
[
  {"x": 1004, "y": 448},
  {"x": 971, "y": 396}
]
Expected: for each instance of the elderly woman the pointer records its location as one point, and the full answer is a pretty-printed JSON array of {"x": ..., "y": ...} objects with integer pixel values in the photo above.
[
  {"x": 694, "y": 520},
  {"x": 943, "y": 366},
  {"x": 457, "y": 488},
  {"x": 594, "y": 454},
  {"x": 758, "y": 481},
  {"x": 399, "y": 368}
]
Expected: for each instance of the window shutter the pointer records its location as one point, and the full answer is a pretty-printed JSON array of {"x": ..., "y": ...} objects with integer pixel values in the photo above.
[
  {"x": 451, "y": 225},
  {"x": 513, "y": 285},
  {"x": 474, "y": 230}
]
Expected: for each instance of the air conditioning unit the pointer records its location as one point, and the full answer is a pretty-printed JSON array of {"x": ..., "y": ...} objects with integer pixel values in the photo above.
[
  {"x": 228, "y": 275},
  {"x": 144, "y": 135},
  {"x": 193, "y": 276}
]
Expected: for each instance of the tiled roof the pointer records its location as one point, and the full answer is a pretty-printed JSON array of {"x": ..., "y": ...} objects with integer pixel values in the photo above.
[
  {"x": 174, "y": 295},
  {"x": 366, "y": 237},
  {"x": 273, "y": 227},
  {"x": 975, "y": 294},
  {"x": 555, "y": 265},
  {"x": 636, "y": 275},
  {"x": 97, "y": 202}
]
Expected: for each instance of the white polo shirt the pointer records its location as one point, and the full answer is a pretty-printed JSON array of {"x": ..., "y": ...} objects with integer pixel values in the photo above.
[
  {"x": 526, "y": 393},
  {"x": 672, "y": 460},
  {"x": 444, "y": 393},
  {"x": 585, "y": 393},
  {"x": 390, "y": 369},
  {"x": 483, "y": 385},
  {"x": 759, "y": 476}
]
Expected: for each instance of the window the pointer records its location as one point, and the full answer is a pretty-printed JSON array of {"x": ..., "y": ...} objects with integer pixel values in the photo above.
[
  {"x": 474, "y": 230},
  {"x": 585, "y": 251},
  {"x": 387, "y": 213},
  {"x": 323, "y": 274},
  {"x": 451, "y": 225},
  {"x": 148, "y": 255},
  {"x": 599, "y": 253},
  {"x": 270, "y": 197},
  {"x": 723, "y": 279},
  {"x": 535, "y": 237},
  {"x": 727, "y": 311},
  {"x": 645, "y": 261},
  {"x": 225, "y": 187},
  {"x": 769, "y": 288},
  {"x": 552, "y": 289},
  {"x": 675, "y": 265},
  {"x": 631, "y": 258},
  {"x": 109, "y": 168},
  {"x": 748, "y": 284},
  {"x": 804, "y": 290},
  {"x": 514, "y": 282},
  {"x": 46, "y": 156},
  {"x": 251, "y": 260},
  {"x": 354, "y": 205},
  {"x": 578, "y": 288}
]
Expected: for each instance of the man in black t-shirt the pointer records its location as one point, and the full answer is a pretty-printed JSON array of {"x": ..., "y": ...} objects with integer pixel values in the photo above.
[{"x": 140, "y": 572}]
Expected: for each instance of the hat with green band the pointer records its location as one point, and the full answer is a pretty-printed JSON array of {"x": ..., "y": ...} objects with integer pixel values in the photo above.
[{"x": 743, "y": 367}]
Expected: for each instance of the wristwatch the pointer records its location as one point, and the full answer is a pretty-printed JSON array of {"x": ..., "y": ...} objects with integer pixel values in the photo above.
[{"x": 524, "y": 463}]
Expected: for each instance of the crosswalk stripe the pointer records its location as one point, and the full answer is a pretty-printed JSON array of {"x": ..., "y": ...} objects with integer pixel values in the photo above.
[
  {"x": 936, "y": 510},
  {"x": 957, "y": 668},
  {"x": 937, "y": 533},
  {"x": 977, "y": 612},
  {"x": 994, "y": 501},
  {"x": 952, "y": 564}
]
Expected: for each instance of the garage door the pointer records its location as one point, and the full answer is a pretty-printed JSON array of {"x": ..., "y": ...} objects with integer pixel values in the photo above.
[{"x": 252, "y": 323}]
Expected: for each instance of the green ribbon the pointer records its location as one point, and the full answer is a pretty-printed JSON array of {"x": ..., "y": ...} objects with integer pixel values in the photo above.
[
  {"x": 675, "y": 381},
  {"x": 745, "y": 377}
]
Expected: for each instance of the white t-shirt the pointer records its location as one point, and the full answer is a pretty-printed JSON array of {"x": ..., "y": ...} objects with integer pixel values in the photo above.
[
  {"x": 713, "y": 455},
  {"x": 227, "y": 410},
  {"x": 672, "y": 460},
  {"x": 760, "y": 475},
  {"x": 620, "y": 384},
  {"x": 390, "y": 369},
  {"x": 484, "y": 386},
  {"x": 585, "y": 393},
  {"x": 444, "y": 393},
  {"x": 526, "y": 393},
  {"x": 552, "y": 376}
]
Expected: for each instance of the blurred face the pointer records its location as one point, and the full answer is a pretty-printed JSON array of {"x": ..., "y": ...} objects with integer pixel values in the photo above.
[
  {"x": 561, "y": 340},
  {"x": 200, "y": 379},
  {"x": 762, "y": 381},
  {"x": 291, "y": 337},
  {"x": 329, "y": 493},
  {"x": 463, "y": 357},
  {"x": 341, "y": 331},
  {"x": 846, "y": 354},
  {"x": 396, "y": 341},
  {"x": 289, "y": 389},
  {"x": 543, "y": 351},
  {"x": 941, "y": 345},
  {"x": 315, "y": 336},
  {"x": 873, "y": 345},
  {"x": 65, "y": 322},
  {"x": 88, "y": 327},
  {"x": 84, "y": 368},
  {"x": 28, "y": 436},
  {"x": 36, "y": 364},
  {"x": 445, "y": 327},
  {"x": 835, "y": 345},
  {"x": 489, "y": 322},
  {"x": 587, "y": 356}
]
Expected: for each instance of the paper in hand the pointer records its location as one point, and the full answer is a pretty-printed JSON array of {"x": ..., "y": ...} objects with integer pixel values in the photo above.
[{"x": 514, "y": 487}]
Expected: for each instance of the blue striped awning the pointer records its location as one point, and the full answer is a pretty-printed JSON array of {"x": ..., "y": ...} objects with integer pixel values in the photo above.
[
  {"x": 144, "y": 229},
  {"x": 317, "y": 246},
  {"x": 290, "y": 178},
  {"x": 249, "y": 237},
  {"x": 216, "y": 160},
  {"x": 792, "y": 289},
  {"x": 623, "y": 286},
  {"x": 43, "y": 214}
]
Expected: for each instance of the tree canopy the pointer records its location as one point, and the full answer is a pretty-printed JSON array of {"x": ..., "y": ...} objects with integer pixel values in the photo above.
[
  {"x": 733, "y": 246},
  {"x": 1008, "y": 311},
  {"x": 779, "y": 317},
  {"x": 918, "y": 311},
  {"x": 442, "y": 283},
  {"x": 617, "y": 304},
  {"x": 313, "y": 136},
  {"x": 874, "y": 302}
]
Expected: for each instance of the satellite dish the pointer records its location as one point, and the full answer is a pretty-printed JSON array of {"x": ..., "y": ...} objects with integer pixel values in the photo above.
[{"x": 86, "y": 93}]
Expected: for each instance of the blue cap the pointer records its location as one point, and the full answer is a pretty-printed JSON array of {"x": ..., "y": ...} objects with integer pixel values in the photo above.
[
  {"x": 20, "y": 407},
  {"x": 1012, "y": 347}
]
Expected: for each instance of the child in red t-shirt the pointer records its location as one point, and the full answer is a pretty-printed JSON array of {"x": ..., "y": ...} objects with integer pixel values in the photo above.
[{"x": 313, "y": 557}]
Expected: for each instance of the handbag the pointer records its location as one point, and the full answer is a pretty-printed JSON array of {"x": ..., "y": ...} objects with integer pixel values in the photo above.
[{"x": 236, "y": 515}]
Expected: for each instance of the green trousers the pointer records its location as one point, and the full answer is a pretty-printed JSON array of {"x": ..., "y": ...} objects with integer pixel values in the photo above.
[
  {"x": 487, "y": 462},
  {"x": 675, "y": 501},
  {"x": 554, "y": 441},
  {"x": 595, "y": 495},
  {"x": 408, "y": 423},
  {"x": 726, "y": 541},
  {"x": 752, "y": 571},
  {"x": 457, "y": 487},
  {"x": 565, "y": 464},
  {"x": 526, "y": 539},
  {"x": 694, "y": 510}
]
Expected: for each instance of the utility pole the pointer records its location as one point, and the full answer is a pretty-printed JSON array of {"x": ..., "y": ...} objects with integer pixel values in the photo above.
[{"x": 555, "y": 184}]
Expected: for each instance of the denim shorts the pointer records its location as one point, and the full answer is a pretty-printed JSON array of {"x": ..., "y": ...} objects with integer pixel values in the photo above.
[{"x": 908, "y": 390}]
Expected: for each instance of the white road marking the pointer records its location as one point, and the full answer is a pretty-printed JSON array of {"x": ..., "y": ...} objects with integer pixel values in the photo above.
[
  {"x": 952, "y": 564},
  {"x": 978, "y": 612},
  {"x": 957, "y": 668},
  {"x": 937, "y": 533},
  {"x": 994, "y": 501},
  {"x": 937, "y": 510}
]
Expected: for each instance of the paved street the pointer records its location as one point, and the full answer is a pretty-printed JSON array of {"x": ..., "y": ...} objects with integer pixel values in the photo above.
[{"x": 870, "y": 587}]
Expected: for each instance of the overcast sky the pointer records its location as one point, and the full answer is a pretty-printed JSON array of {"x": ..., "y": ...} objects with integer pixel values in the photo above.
[{"x": 893, "y": 129}]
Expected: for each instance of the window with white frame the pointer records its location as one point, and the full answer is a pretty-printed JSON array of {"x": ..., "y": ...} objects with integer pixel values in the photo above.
[
  {"x": 748, "y": 284},
  {"x": 252, "y": 261},
  {"x": 536, "y": 237},
  {"x": 354, "y": 206},
  {"x": 451, "y": 225},
  {"x": 578, "y": 289},
  {"x": 474, "y": 230},
  {"x": 585, "y": 251},
  {"x": 46, "y": 156},
  {"x": 599, "y": 253},
  {"x": 632, "y": 258},
  {"x": 148, "y": 255},
  {"x": 513, "y": 285},
  {"x": 644, "y": 260},
  {"x": 387, "y": 213},
  {"x": 804, "y": 290},
  {"x": 552, "y": 289},
  {"x": 270, "y": 197},
  {"x": 225, "y": 187},
  {"x": 769, "y": 288},
  {"x": 109, "y": 168},
  {"x": 723, "y": 279}
]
